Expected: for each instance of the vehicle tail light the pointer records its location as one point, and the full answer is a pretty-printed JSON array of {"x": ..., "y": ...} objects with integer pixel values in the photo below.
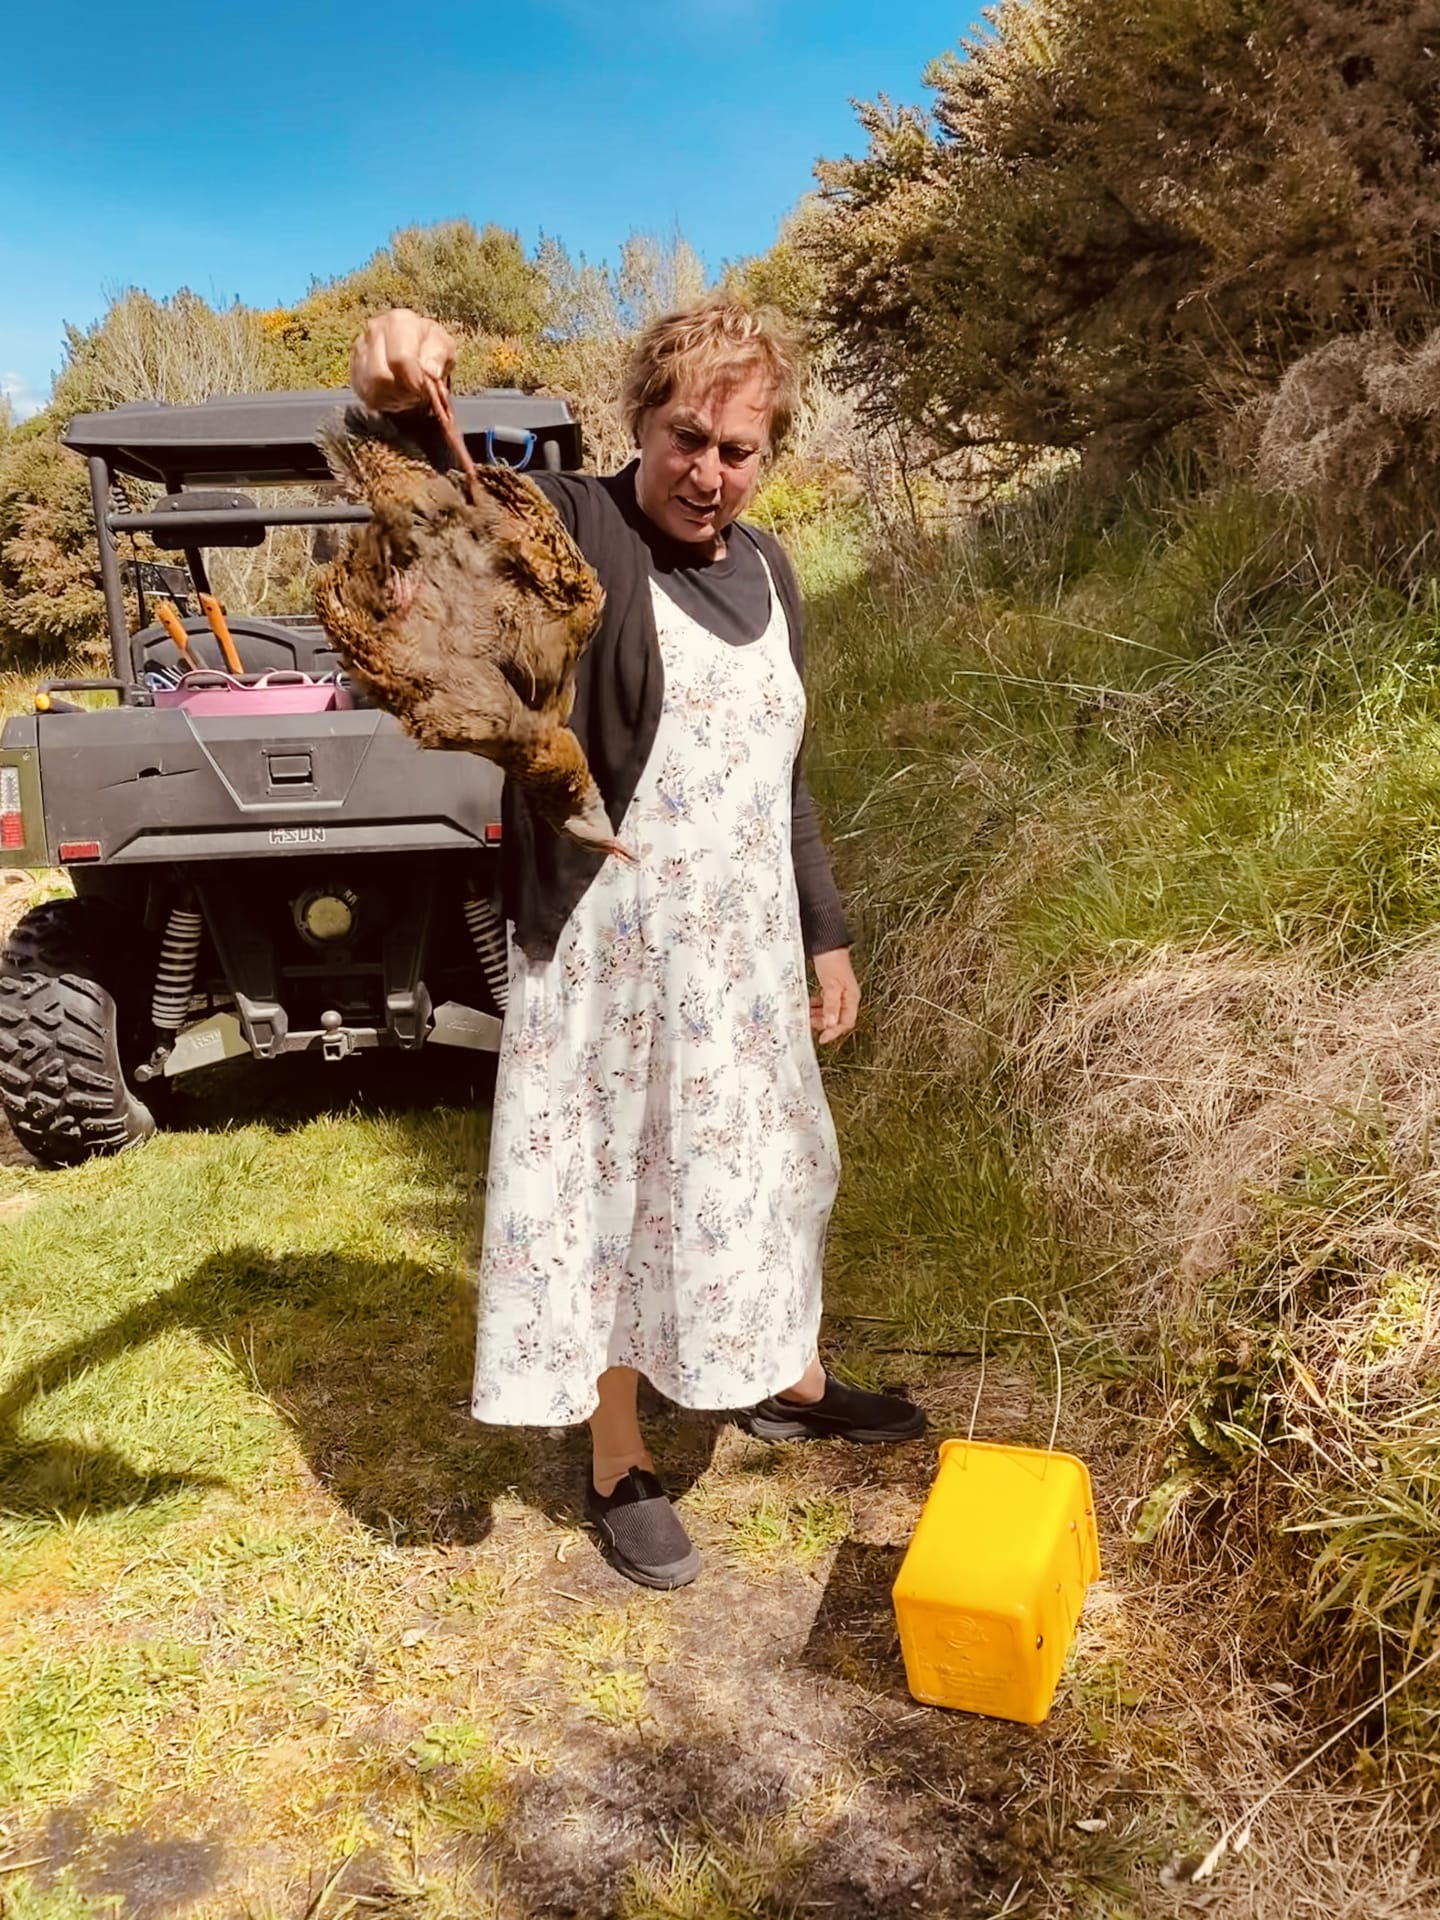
[
  {"x": 12, "y": 820},
  {"x": 71, "y": 850},
  {"x": 492, "y": 832}
]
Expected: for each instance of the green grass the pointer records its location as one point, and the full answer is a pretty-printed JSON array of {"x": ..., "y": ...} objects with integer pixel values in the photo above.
[
  {"x": 25, "y": 1900},
  {"x": 1072, "y": 743},
  {"x": 62, "y": 1709},
  {"x": 192, "y": 1334},
  {"x": 248, "y": 1270},
  {"x": 1060, "y": 747},
  {"x": 1161, "y": 729},
  {"x": 260, "y": 1575},
  {"x": 776, "y": 1531},
  {"x": 257, "y": 1567}
]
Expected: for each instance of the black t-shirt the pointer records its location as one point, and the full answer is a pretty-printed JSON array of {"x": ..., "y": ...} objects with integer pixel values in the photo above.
[
  {"x": 729, "y": 596},
  {"x": 619, "y": 692}
]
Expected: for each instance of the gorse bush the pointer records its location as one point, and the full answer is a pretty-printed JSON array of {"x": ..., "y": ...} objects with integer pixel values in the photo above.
[
  {"x": 476, "y": 281},
  {"x": 1122, "y": 219},
  {"x": 479, "y": 282},
  {"x": 1353, "y": 434}
]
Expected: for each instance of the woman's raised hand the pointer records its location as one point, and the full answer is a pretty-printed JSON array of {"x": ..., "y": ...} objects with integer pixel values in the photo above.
[{"x": 396, "y": 356}]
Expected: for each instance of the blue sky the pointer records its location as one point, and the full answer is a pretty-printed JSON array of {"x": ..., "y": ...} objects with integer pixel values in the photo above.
[{"x": 241, "y": 150}]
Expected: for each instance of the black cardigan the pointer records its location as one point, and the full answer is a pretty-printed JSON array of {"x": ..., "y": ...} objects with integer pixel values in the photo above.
[{"x": 619, "y": 687}]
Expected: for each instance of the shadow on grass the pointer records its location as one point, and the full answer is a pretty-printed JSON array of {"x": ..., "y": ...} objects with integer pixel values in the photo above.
[
  {"x": 853, "y": 1635},
  {"x": 297, "y": 1088},
  {"x": 369, "y": 1363}
]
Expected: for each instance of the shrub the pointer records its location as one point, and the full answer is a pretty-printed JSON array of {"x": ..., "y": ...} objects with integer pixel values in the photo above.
[
  {"x": 1353, "y": 433},
  {"x": 1122, "y": 219}
]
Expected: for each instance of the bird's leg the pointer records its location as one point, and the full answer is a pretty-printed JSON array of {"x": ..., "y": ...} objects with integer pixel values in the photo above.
[
  {"x": 445, "y": 414},
  {"x": 591, "y": 829}
]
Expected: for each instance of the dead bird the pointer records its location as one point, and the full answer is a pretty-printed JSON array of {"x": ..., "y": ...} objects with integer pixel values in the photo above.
[{"x": 462, "y": 607}]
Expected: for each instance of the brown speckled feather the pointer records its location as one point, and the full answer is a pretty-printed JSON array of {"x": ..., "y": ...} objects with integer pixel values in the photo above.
[{"x": 465, "y": 617}]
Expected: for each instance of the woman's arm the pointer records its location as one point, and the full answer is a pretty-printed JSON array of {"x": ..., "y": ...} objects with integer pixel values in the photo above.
[
  {"x": 822, "y": 916},
  {"x": 822, "y": 922}
]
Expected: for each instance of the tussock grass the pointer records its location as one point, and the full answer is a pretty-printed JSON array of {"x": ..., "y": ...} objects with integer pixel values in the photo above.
[{"x": 1139, "y": 813}]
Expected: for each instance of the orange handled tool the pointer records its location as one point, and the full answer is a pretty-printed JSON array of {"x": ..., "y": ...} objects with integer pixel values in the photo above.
[
  {"x": 215, "y": 614},
  {"x": 168, "y": 614}
]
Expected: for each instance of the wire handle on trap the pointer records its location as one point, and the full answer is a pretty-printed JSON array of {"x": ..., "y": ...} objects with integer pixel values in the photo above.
[{"x": 1022, "y": 1300}]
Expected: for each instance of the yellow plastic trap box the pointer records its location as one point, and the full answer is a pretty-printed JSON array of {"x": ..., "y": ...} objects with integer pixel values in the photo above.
[{"x": 991, "y": 1587}]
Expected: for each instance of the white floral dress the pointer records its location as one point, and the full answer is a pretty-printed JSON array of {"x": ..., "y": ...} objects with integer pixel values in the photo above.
[{"x": 662, "y": 1158}]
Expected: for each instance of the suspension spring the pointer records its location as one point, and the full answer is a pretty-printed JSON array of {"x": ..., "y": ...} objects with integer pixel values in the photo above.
[
  {"x": 175, "y": 975},
  {"x": 487, "y": 932}
]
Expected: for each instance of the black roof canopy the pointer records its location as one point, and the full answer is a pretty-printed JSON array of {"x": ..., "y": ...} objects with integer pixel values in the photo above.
[{"x": 255, "y": 438}]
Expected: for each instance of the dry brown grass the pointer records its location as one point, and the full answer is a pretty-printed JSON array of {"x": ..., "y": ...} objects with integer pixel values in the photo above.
[
  {"x": 1179, "y": 1090},
  {"x": 1261, "y": 1138},
  {"x": 1180, "y": 1706}
]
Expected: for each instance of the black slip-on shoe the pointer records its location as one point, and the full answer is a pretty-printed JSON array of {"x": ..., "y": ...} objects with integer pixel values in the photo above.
[
  {"x": 842, "y": 1412},
  {"x": 640, "y": 1533}
]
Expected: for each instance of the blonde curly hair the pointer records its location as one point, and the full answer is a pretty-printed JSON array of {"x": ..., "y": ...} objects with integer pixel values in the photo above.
[{"x": 716, "y": 342}]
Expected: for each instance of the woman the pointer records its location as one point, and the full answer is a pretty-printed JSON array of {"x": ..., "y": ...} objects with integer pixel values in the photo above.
[{"x": 662, "y": 1160}]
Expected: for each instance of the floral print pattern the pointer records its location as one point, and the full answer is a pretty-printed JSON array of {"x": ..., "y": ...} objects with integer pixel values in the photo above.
[{"x": 663, "y": 1162}]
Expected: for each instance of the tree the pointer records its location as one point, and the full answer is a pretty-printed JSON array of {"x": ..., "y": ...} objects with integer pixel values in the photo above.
[
  {"x": 476, "y": 280},
  {"x": 50, "y": 600},
  {"x": 1122, "y": 217},
  {"x": 180, "y": 350}
]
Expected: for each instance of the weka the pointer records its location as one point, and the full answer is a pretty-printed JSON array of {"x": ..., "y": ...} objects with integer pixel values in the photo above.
[{"x": 463, "y": 609}]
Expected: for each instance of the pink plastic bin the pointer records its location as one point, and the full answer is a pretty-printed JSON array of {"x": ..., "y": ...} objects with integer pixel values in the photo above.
[{"x": 216, "y": 693}]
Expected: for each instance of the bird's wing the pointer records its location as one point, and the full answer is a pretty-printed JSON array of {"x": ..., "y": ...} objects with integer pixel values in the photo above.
[
  {"x": 535, "y": 552},
  {"x": 473, "y": 709},
  {"x": 349, "y": 605},
  {"x": 537, "y": 652}
]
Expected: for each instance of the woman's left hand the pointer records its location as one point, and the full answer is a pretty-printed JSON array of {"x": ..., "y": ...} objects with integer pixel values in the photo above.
[{"x": 833, "y": 1009}]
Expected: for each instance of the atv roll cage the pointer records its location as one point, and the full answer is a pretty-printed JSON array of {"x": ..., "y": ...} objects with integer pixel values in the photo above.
[{"x": 261, "y": 440}]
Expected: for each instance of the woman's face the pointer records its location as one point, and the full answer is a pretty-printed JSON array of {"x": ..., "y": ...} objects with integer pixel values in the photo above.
[{"x": 700, "y": 458}]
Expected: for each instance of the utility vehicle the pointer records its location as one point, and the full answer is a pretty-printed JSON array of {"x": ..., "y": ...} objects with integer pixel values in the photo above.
[{"x": 263, "y": 863}]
